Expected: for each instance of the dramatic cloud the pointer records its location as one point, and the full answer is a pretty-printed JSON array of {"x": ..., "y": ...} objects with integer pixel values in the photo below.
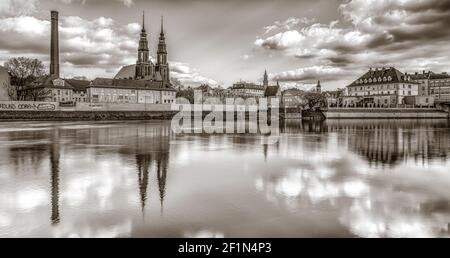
[
  {"x": 92, "y": 48},
  {"x": 375, "y": 32},
  {"x": 17, "y": 7},
  {"x": 348, "y": 35},
  {"x": 84, "y": 43},
  {"x": 189, "y": 76},
  {"x": 308, "y": 74},
  {"x": 127, "y": 3},
  {"x": 290, "y": 23}
]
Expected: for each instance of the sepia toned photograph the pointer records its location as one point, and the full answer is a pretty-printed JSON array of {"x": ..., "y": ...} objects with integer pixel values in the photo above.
[{"x": 225, "y": 119}]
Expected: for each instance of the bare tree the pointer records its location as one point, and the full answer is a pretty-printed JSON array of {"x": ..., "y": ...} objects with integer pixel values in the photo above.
[
  {"x": 24, "y": 70},
  {"x": 38, "y": 94},
  {"x": 315, "y": 101}
]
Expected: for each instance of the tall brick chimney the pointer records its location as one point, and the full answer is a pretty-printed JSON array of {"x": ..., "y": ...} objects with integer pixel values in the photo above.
[{"x": 54, "y": 45}]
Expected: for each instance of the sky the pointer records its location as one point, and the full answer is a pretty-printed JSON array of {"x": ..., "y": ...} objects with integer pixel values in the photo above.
[{"x": 223, "y": 41}]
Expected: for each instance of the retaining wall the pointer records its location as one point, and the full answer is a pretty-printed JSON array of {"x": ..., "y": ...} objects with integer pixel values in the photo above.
[{"x": 393, "y": 113}]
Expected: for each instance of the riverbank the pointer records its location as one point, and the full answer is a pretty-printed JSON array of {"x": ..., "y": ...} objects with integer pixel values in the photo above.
[
  {"x": 86, "y": 115},
  {"x": 385, "y": 113}
]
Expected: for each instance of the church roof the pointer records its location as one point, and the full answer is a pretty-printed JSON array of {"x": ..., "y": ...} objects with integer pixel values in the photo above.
[
  {"x": 126, "y": 72},
  {"x": 271, "y": 91},
  {"x": 129, "y": 84},
  {"x": 382, "y": 75}
]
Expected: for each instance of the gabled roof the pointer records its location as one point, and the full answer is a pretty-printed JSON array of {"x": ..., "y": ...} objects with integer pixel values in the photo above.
[
  {"x": 294, "y": 92},
  {"x": 435, "y": 76},
  {"x": 271, "y": 91},
  {"x": 79, "y": 85},
  {"x": 381, "y": 75},
  {"x": 46, "y": 81}
]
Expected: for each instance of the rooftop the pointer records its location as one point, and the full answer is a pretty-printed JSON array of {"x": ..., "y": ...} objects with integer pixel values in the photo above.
[
  {"x": 271, "y": 91},
  {"x": 381, "y": 75}
]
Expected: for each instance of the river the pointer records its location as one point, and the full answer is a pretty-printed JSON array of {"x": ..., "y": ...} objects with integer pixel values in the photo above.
[{"x": 342, "y": 178}]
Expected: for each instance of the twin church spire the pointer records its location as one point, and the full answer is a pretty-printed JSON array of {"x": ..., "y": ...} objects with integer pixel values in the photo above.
[{"x": 145, "y": 69}]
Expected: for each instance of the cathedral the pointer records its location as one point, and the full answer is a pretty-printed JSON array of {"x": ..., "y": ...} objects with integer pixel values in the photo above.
[{"x": 145, "y": 69}]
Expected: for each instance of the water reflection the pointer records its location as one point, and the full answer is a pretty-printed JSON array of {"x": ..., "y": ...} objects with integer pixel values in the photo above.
[
  {"x": 54, "y": 175},
  {"x": 385, "y": 142},
  {"x": 376, "y": 178}
]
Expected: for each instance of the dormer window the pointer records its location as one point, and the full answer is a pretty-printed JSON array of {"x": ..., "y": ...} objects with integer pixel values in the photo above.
[
  {"x": 389, "y": 78},
  {"x": 384, "y": 79},
  {"x": 365, "y": 80},
  {"x": 370, "y": 80}
]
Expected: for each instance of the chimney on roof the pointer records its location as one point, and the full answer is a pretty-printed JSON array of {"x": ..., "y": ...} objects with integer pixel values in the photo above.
[{"x": 54, "y": 45}]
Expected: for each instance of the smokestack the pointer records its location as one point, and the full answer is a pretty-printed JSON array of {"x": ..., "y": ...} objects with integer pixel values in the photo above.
[{"x": 54, "y": 46}]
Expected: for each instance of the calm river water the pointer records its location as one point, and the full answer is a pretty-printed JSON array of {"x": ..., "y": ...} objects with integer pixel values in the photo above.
[{"x": 380, "y": 178}]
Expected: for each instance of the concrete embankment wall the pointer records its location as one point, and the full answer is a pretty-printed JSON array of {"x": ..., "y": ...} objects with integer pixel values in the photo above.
[
  {"x": 391, "y": 113},
  {"x": 27, "y": 110},
  {"x": 86, "y": 115}
]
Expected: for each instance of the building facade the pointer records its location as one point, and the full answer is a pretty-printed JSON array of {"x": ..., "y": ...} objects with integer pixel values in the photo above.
[
  {"x": 53, "y": 89},
  {"x": 436, "y": 85},
  {"x": 381, "y": 87},
  {"x": 247, "y": 90},
  {"x": 129, "y": 92},
  {"x": 293, "y": 98},
  {"x": 251, "y": 90}
]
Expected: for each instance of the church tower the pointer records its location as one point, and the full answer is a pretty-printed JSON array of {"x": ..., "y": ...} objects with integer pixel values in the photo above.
[
  {"x": 318, "y": 87},
  {"x": 266, "y": 79},
  {"x": 162, "y": 66},
  {"x": 144, "y": 67}
]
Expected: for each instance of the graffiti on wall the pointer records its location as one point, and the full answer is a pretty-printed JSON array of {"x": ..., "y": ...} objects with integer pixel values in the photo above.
[{"x": 27, "y": 106}]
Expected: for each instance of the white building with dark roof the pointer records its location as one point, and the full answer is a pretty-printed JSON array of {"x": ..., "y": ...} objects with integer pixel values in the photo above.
[
  {"x": 103, "y": 90},
  {"x": 381, "y": 87}
]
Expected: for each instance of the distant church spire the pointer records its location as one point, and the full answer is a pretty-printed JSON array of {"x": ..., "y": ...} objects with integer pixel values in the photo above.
[
  {"x": 162, "y": 65},
  {"x": 143, "y": 20},
  {"x": 144, "y": 67},
  {"x": 266, "y": 79},
  {"x": 318, "y": 87}
]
